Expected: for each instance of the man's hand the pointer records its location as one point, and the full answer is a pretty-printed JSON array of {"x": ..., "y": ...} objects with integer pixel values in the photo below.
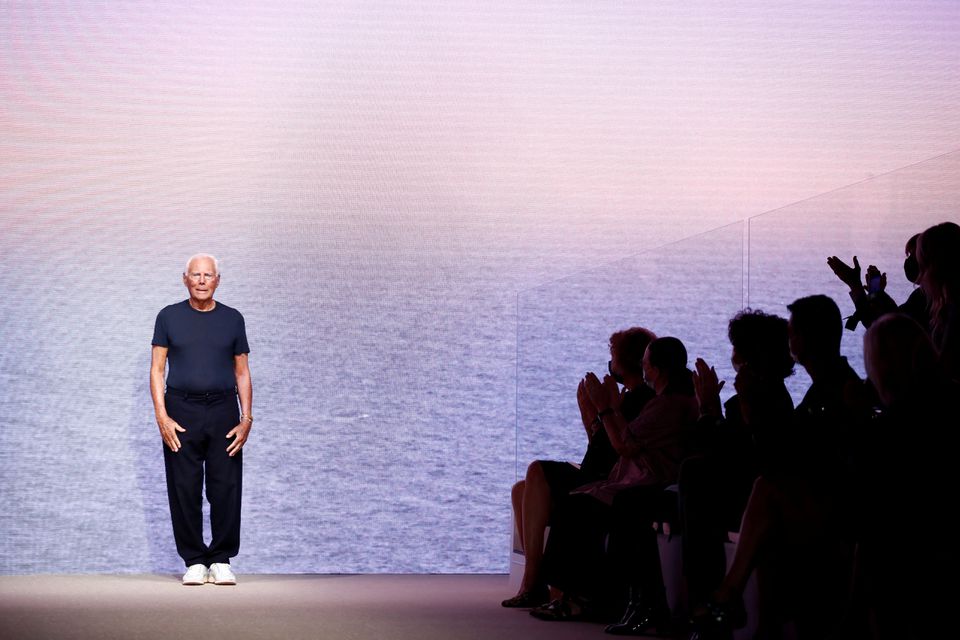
[
  {"x": 849, "y": 275},
  {"x": 707, "y": 388},
  {"x": 747, "y": 383},
  {"x": 241, "y": 431},
  {"x": 168, "y": 431}
]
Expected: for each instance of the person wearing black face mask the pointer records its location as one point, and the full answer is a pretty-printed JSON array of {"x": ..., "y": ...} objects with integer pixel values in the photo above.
[
  {"x": 871, "y": 300},
  {"x": 614, "y": 374}
]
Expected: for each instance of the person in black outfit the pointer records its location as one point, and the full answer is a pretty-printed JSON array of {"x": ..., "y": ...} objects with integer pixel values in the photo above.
[
  {"x": 871, "y": 299},
  {"x": 729, "y": 445},
  {"x": 205, "y": 343},
  {"x": 906, "y": 587},
  {"x": 548, "y": 481},
  {"x": 633, "y": 555},
  {"x": 797, "y": 526}
]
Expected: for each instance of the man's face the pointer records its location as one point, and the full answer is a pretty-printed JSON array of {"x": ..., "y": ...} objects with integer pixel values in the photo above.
[{"x": 201, "y": 279}]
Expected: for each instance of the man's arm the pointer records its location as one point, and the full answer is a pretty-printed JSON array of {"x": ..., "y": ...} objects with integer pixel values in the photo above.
[
  {"x": 241, "y": 370},
  {"x": 168, "y": 426}
]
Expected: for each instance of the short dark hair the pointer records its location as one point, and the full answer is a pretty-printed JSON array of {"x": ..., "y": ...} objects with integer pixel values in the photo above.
[
  {"x": 761, "y": 340},
  {"x": 670, "y": 356},
  {"x": 628, "y": 345},
  {"x": 817, "y": 318}
]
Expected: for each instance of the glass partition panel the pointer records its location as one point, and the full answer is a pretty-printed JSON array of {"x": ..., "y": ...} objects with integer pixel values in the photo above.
[
  {"x": 873, "y": 219},
  {"x": 688, "y": 289}
]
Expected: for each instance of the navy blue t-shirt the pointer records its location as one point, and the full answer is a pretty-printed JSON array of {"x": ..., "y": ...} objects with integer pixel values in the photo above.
[{"x": 201, "y": 345}]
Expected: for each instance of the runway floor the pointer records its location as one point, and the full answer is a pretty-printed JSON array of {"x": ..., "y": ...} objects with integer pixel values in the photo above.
[{"x": 354, "y": 607}]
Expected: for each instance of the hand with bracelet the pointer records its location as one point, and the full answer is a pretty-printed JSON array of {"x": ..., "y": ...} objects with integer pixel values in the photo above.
[
  {"x": 605, "y": 396},
  {"x": 241, "y": 431},
  {"x": 707, "y": 386},
  {"x": 588, "y": 413}
]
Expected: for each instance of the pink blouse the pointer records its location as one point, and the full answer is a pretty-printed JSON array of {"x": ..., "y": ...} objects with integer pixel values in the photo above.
[{"x": 658, "y": 432}]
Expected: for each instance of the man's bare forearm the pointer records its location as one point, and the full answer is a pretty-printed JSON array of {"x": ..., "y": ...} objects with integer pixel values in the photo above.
[
  {"x": 156, "y": 391},
  {"x": 245, "y": 391}
]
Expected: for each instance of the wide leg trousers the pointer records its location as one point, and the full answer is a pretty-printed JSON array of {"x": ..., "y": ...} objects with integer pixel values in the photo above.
[{"x": 203, "y": 452}]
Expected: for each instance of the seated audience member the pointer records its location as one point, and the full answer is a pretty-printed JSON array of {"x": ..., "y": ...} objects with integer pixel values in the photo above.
[
  {"x": 796, "y": 528},
  {"x": 549, "y": 480},
  {"x": 633, "y": 557},
  {"x": 729, "y": 446},
  {"x": 938, "y": 257},
  {"x": 871, "y": 299},
  {"x": 650, "y": 449},
  {"x": 907, "y": 556},
  {"x": 632, "y": 549}
]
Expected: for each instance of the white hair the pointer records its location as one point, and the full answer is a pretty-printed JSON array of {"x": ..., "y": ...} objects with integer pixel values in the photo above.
[{"x": 198, "y": 256}]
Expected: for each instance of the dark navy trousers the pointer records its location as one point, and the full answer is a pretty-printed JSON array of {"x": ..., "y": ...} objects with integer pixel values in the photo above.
[{"x": 203, "y": 452}]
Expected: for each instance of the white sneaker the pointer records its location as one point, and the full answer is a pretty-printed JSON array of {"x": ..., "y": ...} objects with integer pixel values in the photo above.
[
  {"x": 196, "y": 574},
  {"x": 221, "y": 573}
]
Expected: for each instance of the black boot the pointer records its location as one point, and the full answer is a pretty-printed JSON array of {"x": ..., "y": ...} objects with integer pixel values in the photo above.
[{"x": 642, "y": 619}]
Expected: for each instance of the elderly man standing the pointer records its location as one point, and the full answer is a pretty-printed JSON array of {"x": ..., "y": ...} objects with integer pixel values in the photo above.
[{"x": 205, "y": 343}]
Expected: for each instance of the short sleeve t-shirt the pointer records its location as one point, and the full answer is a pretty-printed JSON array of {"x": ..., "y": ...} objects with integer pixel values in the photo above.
[{"x": 201, "y": 345}]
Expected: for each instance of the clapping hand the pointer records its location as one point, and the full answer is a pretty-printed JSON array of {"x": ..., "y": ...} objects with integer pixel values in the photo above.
[
  {"x": 707, "y": 387},
  {"x": 847, "y": 274},
  {"x": 588, "y": 412},
  {"x": 874, "y": 272},
  {"x": 603, "y": 395}
]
